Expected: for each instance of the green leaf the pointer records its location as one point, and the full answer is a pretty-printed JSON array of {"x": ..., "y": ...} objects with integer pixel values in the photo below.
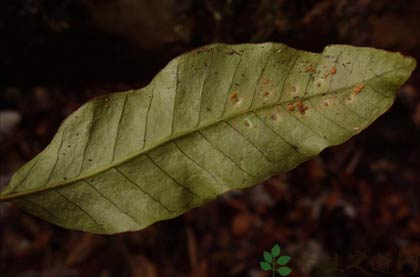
[
  {"x": 283, "y": 260},
  {"x": 214, "y": 119},
  {"x": 267, "y": 256},
  {"x": 284, "y": 271},
  {"x": 275, "y": 251},
  {"x": 265, "y": 266}
]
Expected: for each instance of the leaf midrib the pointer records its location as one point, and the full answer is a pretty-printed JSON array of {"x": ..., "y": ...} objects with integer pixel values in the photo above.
[{"x": 177, "y": 136}]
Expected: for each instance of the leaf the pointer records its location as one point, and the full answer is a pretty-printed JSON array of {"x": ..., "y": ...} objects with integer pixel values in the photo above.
[
  {"x": 265, "y": 266},
  {"x": 284, "y": 271},
  {"x": 283, "y": 260},
  {"x": 218, "y": 118},
  {"x": 275, "y": 251},
  {"x": 267, "y": 256}
]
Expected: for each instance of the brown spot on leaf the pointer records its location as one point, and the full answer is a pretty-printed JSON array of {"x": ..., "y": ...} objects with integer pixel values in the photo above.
[
  {"x": 234, "y": 97},
  {"x": 310, "y": 68},
  {"x": 358, "y": 88},
  {"x": 302, "y": 108}
]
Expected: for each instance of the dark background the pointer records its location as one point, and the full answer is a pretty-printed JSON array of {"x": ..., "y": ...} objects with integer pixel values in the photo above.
[{"x": 353, "y": 210}]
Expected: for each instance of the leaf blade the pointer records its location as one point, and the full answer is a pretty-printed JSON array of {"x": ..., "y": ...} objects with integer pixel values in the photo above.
[
  {"x": 284, "y": 271},
  {"x": 268, "y": 257},
  {"x": 283, "y": 260},
  {"x": 117, "y": 133},
  {"x": 265, "y": 266},
  {"x": 275, "y": 251}
]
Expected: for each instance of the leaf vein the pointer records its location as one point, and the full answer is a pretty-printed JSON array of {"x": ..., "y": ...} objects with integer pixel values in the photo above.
[
  {"x": 170, "y": 177},
  {"x": 83, "y": 210},
  {"x": 112, "y": 202},
  {"x": 287, "y": 77},
  {"x": 195, "y": 162},
  {"x": 87, "y": 140},
  {"x": 225, "y": 155},
  {"x": 202, "y": 88},
  {"x": 42, "y": 207},
  {"x": 230, "y": 86},
  {"x": 259, "y": 77},
  {"x": 292, "y": 147},
  {"x": 250, "y": 142},
  {"x": 26, "y": 175},
  {"x": 142, "y": 190},
  {"x": 119, "y": 126}
]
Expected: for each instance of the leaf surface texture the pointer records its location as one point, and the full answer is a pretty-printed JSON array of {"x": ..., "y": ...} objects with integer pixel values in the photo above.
[{"x": 217, "y": 118}]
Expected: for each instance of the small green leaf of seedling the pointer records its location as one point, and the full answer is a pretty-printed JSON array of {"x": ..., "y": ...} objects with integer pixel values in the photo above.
[
  {"x": 284, "y": 271},
  {"x": 265, "y": 266},
  {"x": 275, "y": 251},
  {"x": 268, "y": 257},
  {"x": 283, "y": 260}
]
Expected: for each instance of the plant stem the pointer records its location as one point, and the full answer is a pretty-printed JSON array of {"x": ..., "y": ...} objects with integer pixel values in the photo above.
[{"x": 272, "y": 267}]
